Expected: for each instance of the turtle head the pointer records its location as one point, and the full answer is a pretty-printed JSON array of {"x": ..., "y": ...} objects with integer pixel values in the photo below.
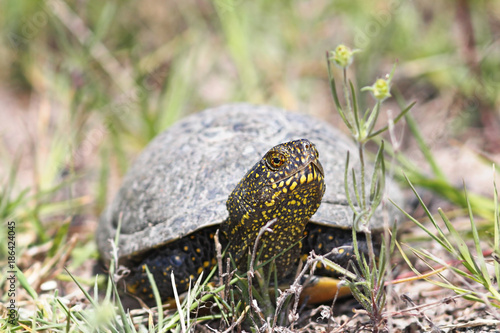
[
  {"x": 288, "y": 167},
  {"x": 287, "y": 184}
]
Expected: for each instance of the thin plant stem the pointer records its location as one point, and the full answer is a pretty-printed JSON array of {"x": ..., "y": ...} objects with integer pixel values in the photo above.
[{"x": 362, "y": 162}]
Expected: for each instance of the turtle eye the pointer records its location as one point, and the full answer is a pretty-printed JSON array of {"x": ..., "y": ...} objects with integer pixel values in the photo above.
[{"x": 275, "y": 160}]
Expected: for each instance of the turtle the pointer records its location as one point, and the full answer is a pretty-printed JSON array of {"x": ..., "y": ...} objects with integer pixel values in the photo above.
[{"x": 197, "y": 177}]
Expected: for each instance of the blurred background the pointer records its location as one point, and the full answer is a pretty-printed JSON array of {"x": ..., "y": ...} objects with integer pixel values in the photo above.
[{"x": 86, "y": 84}]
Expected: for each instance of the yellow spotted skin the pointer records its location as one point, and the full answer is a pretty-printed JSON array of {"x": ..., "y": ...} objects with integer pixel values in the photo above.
[
  {"x": 187, "y": 258},
  {"x": 323, "y": 239},
  {"x": 287, "y": 184}
]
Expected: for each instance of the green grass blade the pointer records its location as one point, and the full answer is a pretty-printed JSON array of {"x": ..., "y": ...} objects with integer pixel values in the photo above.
[
  {"x": 156, "y": 294},
  {"x": 104, "y": 22},
  {"x": 373, "y": 118},
  {"x": 7, "y": 206},
  {"x": 424, "y": 148},
  {"x": 463, "y": 249},
  {"x": 396, "y": 120},
  {"x": 126, "y": 325},
  {"x": 333, "y": 89},
  {"x": 177, "y": 92},
  {"x": 431, "y": 234},
  {"x": 496, "y": 232},
  {"x": 355, "y": 108},
  {"x": 59, "y": 237},
  {"x": 346, "y": 184},
  {"x": 378, "y": 180},
  {"x": 356, "y": 191},
  {"x": 25, "y": 284},
  {"x": 82, "y": 289},
  {"x": 441, "y": 239},
  {"x": 238, "y": 43},
  {"x": 479, "y": 252},
  {"x": 405, "y": 258}
]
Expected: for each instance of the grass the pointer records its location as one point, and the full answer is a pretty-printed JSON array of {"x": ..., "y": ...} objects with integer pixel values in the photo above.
[
  {"x": 88, "y": 84},
  {"x": 474, "y": 266}
]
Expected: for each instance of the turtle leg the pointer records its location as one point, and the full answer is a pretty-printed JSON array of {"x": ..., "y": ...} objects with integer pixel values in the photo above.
[
  {"x": 186, "y": 258},
  {"x": 324, "y": 286},
  {"x": 324, "y": 239}
]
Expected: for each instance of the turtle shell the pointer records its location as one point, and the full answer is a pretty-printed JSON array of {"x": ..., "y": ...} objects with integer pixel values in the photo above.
[{"x": 181, "y": 181}]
